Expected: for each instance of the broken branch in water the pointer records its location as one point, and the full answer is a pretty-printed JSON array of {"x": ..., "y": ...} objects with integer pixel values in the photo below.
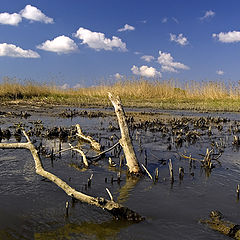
[
  {"x": 147, "y": 172},
  {"x": 118, "y": 210},
  {"x": 81, "y": 152},
  {"x": 125, "y": 140},
  {"x": 227, "y": 228},
  {"x": 103, "y": 152},
  {"x": 95, "y": 145}
]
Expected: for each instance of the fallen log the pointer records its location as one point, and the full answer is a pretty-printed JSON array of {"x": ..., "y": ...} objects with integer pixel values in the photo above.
[
  {"x": 95, "y": 145},
  {"x": 217, "y": 223},
  {"x": 116, "y": 209},
  {"x": 125, "y": 140}
]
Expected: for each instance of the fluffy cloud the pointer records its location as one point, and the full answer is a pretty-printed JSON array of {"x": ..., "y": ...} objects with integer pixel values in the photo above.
[
  {"x": 168, "y": 64},
  {"x": 147, "y": 58},
  {"x": 98, "y": 41},
  {"x": 137, "y": 53},
  {"x": 60, "y": 45},
  {"x": 11, "y": 50},
  {"x": 118, "y": 76},
  {"x": 220, "y": 72},
  {"x": 10, "y": 19},
  {"x": 65, "y": 86},
  {"x": 78, "y": 85},
  {"x": 126, "y": 28},
  {"x": 146, "y": 71},
  {"x": 34, "y": 14},
  {"x": 164, "y": 20},
  {"x": 180, "y": 39},
  {"x": 208, "y": 14},
  {"x": 228, "y": 37}
]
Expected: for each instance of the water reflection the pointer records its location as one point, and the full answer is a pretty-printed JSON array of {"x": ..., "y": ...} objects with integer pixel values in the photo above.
[
  {"x": 105, "y": 230},
  {"x": 124, "y": 191}
]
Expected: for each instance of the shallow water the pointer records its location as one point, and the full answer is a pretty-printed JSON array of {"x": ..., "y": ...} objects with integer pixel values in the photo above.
[{"x": 31, "y": 208}]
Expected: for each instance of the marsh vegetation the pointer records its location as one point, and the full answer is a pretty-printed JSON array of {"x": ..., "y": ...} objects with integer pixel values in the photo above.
[{"x": 162, "y": 94}]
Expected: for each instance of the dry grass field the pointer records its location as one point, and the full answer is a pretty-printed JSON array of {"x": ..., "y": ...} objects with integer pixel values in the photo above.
[{"x": 169, "y": 94}]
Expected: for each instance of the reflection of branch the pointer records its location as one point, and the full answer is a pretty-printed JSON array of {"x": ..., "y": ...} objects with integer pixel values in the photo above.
[
  {"x": 125, "y": 190},
  {"x": 105, "y": 230},
  {"x": 116, "y": 209},
  {"x": 95, "y": 145},
  {"x": 191, "y": 158}
]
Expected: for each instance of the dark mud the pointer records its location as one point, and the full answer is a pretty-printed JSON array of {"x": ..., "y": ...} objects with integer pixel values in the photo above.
[{"x": 33, "y": 208}]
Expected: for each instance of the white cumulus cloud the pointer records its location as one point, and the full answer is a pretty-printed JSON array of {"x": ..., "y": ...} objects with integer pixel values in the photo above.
[
  {"x": 10, "y": 19},
  {"x": 180, "y": 39},
  {"x": 168, "y": 64},
  {"x": 10, "y": 50},
  {"x": 34, "y": 14},
  {"x": 208, "y": 14},
  {"x": 126, "y": 28},
  {"x": 146, "y": 71},
  {"x": 228, "y": 37},
  {"x": 60, "y": 45},
  {"x": 220, "y": 72},
  {"x": 118, "y": 76},
  {"x": 147, "y": 58},
  {"x": 65, "y": 86},
  {"x": 98, "y": 41}
]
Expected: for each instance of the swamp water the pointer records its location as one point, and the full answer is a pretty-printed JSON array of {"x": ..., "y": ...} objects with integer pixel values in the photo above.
[{"x": 33, "y": 208}]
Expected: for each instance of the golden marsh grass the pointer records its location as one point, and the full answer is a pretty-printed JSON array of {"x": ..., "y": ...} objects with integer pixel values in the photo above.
[{"x": 205, "y": 95}]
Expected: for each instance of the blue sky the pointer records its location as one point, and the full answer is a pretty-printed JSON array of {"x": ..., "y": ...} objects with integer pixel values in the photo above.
[{"x": 83, "y": 43}]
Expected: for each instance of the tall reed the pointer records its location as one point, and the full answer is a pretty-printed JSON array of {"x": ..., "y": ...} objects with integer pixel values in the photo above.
[{"x": 130, "y": 89}]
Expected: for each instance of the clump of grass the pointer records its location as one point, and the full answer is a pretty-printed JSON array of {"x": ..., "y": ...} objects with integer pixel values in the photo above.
[
  {"x": 13, "y": 89},
  {"x": 213, "y": 95}
]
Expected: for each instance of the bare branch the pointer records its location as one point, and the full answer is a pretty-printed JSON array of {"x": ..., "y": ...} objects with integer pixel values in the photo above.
[
  {"x": 81, "y": 152},
  {"x": 95, "y": 145}
]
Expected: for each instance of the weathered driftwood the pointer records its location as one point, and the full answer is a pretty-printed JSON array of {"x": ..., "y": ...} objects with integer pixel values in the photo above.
[
  {"x": 103, "y": 152},
  {"x": 118, "y": 210},
  {"x": 227, "y": 228},
  {"x": 125, "y": 140},
  {"x": 95, "y": 145},
  {"x": 147, "y": 172},
  {"x": 81, "y": 152}
]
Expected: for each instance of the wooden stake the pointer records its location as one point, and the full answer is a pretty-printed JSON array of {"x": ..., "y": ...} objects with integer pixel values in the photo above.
[
  {"x": 238, "y": 189},
  {"x": 156, "y": 174},
  {"x": 67, "y": 207},
  {"x": 171, "y": 170}
]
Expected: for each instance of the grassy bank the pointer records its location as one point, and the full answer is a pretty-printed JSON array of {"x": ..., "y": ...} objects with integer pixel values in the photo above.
[{"x": 216, "y": 96}]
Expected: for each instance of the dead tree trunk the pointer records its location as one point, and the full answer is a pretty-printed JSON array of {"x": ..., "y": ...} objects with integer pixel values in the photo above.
[
  {"x": 125, "y": 140},
  {"x": 114, "y": 208}
]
